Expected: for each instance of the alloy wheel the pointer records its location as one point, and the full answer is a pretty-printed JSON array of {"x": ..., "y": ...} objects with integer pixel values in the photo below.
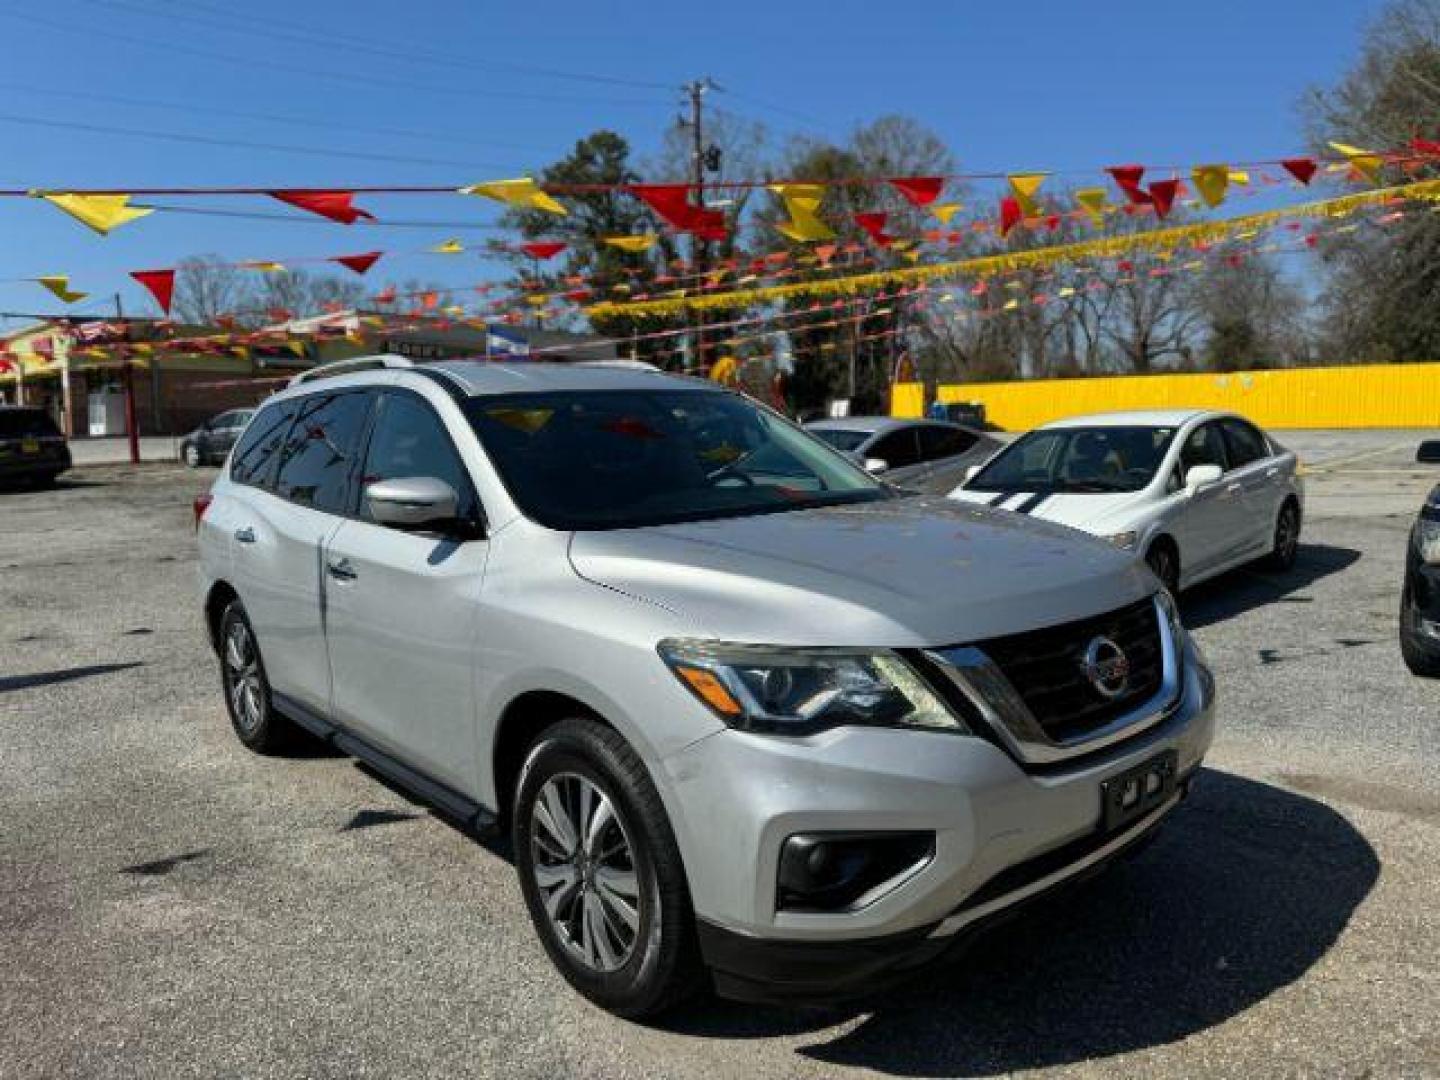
[
  {"x": 242, "y": 677},
  {"x": 584, "y": 868},
  {"x": 1287, "y": 535}
]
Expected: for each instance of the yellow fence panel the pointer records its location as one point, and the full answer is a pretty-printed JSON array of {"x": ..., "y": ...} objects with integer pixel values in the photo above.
[{"x": 1376, "y": 395}]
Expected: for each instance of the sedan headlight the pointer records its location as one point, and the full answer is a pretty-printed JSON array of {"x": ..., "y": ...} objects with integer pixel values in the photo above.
[
  {"x": 1125, "y": 541},
  {"x": 800, "y": 691},
  {"x": 1427, "y": 531}
]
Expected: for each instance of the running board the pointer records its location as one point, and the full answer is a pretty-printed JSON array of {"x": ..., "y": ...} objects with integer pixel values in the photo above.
[{"x": 441, "y": 796}]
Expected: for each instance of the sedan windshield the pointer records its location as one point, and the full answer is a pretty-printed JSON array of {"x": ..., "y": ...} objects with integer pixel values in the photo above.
[
  {"x": 619, "y": 459},
  {"x": 1084, "y": 459}
]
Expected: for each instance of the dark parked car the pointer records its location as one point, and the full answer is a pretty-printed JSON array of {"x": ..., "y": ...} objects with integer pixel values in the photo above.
[
  {"x": 211, "y": 441},
  {"x": 1420, "y": 597},
  {"x": 926, "y": 455},
  {"x": 32, "y": 449}
]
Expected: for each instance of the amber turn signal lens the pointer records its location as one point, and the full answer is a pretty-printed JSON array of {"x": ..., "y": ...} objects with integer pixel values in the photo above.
[{"x": 709, "y": 689}]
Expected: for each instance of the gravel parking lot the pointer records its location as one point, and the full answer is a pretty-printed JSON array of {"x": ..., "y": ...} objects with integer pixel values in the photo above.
[{"x": 173, "y": 905}]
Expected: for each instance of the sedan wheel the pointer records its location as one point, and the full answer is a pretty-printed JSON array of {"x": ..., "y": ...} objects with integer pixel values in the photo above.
[{"x": 1287, "y": 538}]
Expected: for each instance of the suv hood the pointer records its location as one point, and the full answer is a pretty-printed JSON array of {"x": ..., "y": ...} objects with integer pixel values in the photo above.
[
  {"x": 900, "y": 572},
  {"x": 1088, "y": 510}
]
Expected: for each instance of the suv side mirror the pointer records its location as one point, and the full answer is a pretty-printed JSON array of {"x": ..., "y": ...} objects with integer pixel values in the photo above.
[
  {"x": 1428, "y": 452},
  {"x": 412, "y": 502},
  {"x": 876, "y": 465},
  {"x": 1200, "y": 475}
]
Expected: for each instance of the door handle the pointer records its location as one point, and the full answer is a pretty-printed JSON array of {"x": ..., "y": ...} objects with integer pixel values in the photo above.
[
  {"x": 245, "y": 534},
  {"x": 341, "y": 570}
]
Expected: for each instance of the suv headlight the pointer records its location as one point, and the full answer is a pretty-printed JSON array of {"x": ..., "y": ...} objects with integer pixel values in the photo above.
[
  {"x": 788, "y": 691},
  {"x": 1179, "y": 636}
]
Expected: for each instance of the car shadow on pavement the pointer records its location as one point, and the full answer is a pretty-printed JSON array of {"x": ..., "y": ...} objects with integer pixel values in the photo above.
[
  {"x": 1239, "y": 591},
  {"x": 1245, "y": 889}
]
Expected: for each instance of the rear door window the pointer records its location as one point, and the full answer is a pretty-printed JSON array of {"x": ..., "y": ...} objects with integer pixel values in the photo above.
[
  {"x": 319, "y": 454},
  {"x": 253, "y": 462}
]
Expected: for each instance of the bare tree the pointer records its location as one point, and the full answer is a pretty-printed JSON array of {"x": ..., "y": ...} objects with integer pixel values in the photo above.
[{"x": 207, "y": 288}]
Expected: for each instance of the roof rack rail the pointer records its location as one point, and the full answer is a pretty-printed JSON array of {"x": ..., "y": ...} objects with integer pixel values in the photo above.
[{"x": 352, "y": 365}]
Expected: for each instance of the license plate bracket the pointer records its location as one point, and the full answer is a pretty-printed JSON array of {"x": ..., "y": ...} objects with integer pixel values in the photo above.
[{"x": 1138, "y": 790}]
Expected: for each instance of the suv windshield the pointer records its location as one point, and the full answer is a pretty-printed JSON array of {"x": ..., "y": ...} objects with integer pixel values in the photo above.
[
  {"x": 26, "y": 423},
  {"x": 618, "y": 459},
  {"x": 1077, "y": 459}
]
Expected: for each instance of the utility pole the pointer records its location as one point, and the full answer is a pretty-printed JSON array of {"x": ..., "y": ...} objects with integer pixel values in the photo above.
[
  {"x": 128, "y": 375},
  {"x": 699, "y": 247}
]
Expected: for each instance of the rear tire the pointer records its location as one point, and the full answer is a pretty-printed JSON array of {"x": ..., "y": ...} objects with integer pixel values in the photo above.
[
  {"x": 246, "y": 686},
  {"x": 1164, "y": 560},
  {"x": 601, "y": 873},
  {"x": 1286, "y": 545}
]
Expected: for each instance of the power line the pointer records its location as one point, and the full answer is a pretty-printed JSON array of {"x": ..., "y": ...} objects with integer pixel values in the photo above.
[
  {"x": 291, "y": 71},
  {"x": 275, "y": 118},
  {"x": 241, "y": 144},
  {"x": 312, "y": 35}
]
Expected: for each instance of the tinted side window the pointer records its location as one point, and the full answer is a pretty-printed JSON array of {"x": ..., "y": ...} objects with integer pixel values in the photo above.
[
  {"x": 898, "y": 449},
  {"x": 255, "y": 455},
  {"x": 26, "y": 423},
  {"x": 410, "y": 440},
  {"x": 1205, "y": 446},
  {"x": 1244, "y": 442},
  {"x": 942, "y": 442},
  {"x": 320, "y": 450}
]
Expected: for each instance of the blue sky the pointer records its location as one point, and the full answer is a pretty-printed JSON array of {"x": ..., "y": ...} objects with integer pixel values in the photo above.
[{"x": 447, "y": 91}]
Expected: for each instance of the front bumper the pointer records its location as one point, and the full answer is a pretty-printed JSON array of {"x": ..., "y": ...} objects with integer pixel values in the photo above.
[{"x": 1002, "y": 836}]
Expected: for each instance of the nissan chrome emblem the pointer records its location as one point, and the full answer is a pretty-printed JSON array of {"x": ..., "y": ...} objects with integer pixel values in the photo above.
[{"x": 1107, "y": 667}]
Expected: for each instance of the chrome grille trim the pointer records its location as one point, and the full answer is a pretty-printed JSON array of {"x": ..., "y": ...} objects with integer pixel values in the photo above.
[{"x": 997, "y": 701}]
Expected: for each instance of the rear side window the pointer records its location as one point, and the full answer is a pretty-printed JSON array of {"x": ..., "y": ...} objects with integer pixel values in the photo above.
[
  {"x": 319, "y": 453},
  {"x": 26, "y": 424},
  {"x": 1244, "y": 442},
  {"x": 254, "y": 457},
  {"x": 898, "y": 449},
  {"x": 942, "y": 442},
  {"x": 409, "y": 440}
]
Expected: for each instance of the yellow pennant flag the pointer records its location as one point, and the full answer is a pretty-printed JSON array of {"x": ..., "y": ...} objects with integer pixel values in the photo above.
[
  {"x": 101, "y": 212},
  {"x": 1010, "y": 305},
  {"x": 1366, "y": 162},
  {"x": 524, "y": 193},
  {"x": 59, "y": 284},
  {"x": 945, "y": 211},
  {"x": 1065, "y": 293},
  {"x": 1211, "y": 181},
  {"x": 634, "y": 244},
  {"x": 1092, "y": 201},
  {"x": 449, "y": 247},
  {"x": 1025, "y": 185},
  {"x": 802, "y": 203},
  {"x": 1239, "y": 176},
  {"x": 265, "y": 267}
]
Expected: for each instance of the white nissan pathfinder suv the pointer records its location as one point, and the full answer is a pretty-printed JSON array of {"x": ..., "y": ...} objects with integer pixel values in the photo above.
[{"x": 750, "y": 715}]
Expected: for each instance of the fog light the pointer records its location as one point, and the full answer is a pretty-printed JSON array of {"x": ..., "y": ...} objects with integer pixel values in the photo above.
[
  {"x": 1131, "y": 795},
  {"x": 846, "y": 871}
]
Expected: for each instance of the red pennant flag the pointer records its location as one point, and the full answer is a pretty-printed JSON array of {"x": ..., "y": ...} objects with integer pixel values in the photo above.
[
  {"x": 672, "y": 203},
  {"x": 387, "y": 296},
  {"x": 1162, "y": 194},
  {"x": 161, "y": 284},
  {"x": 429, "y": 300},
  {"x": 578, "y": 296},
  {"x": 334, "y": 205},
  {"x": 543, "y": 249},
  {"x": 1010, "y": 214},
  {"x": 1302, "y": 168},
  {"x": 1426, "y": 147},
  {"x": 874, "y": 226},
  {"x": 1127, "y": 179},
  {"x": 358, "y": 263},
  {"x": 919, "y": 190}
]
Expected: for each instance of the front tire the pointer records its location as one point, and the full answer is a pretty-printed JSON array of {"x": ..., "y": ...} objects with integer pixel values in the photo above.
[
  {"x": 601, "y": 873},
  {"x": 247, "y": 688}
]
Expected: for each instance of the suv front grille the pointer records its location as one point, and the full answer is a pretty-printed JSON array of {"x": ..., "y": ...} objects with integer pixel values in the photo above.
[{"x": 1047, "y": 668}]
